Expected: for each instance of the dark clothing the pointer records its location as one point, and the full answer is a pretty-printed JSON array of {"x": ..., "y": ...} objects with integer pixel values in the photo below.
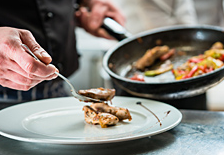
[{"x": 52, "y": 23}]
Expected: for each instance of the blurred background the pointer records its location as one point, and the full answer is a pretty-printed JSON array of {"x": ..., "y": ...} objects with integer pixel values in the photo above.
[{"x": 144, "y": 15}]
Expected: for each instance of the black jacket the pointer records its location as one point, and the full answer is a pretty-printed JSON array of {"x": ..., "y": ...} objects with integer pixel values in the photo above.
[{"x": 51, "y": 22}]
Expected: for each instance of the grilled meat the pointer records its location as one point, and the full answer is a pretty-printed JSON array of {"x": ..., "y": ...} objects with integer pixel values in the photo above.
[
  {"x": 121, "y": 113},
  {"x": 94, "y": 117},
  {"x": 98, "y": 93},
  {"x": 150, "y": 56}
]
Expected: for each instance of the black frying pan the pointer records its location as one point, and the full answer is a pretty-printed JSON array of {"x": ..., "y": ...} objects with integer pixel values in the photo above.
[{"x": 193, "y": 40}]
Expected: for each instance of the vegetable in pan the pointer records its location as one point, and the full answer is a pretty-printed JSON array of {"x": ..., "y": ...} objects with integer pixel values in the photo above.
[
  {"x": 167, "y": 66},
  {"x": 201, "y": 64},
  {"x": 161, "y": 53},
  {"x": 212, "y": 59}
]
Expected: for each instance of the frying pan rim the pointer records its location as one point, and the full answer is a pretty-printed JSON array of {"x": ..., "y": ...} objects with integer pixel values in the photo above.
[{"x": 151, "y": 32}]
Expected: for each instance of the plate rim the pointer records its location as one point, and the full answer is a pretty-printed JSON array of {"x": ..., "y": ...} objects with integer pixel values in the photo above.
[{"x": 72, "y": 141}]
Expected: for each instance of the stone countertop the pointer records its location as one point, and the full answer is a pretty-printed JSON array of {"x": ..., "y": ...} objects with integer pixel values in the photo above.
[{"x": 200, "y": 132}]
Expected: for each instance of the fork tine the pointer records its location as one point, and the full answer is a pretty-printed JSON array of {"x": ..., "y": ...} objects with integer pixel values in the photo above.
[{"x": 74, "y": 93}]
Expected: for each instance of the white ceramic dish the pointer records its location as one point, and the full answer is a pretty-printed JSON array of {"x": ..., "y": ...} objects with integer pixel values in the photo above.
[{"x": 61, "y": 121}]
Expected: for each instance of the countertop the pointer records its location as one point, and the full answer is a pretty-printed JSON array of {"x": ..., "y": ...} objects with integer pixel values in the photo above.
[{"x": 199, "y": 133}]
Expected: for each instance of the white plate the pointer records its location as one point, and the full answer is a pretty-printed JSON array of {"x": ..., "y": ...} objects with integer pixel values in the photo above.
[{"x": 61, "y": 121}]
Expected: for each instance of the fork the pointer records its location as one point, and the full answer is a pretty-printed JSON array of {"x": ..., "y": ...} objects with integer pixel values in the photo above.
[{"x": 73, "y": 91}]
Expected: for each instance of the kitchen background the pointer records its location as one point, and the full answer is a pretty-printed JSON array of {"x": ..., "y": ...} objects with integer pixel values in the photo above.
[{"x": 142, "y": 15}]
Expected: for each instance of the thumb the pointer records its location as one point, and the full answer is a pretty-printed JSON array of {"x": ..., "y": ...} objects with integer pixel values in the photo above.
[{"x": 29, "y": 40}]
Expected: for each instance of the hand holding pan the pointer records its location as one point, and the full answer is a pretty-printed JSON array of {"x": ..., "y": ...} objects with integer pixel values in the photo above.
[{"x": 192, "y": 40}]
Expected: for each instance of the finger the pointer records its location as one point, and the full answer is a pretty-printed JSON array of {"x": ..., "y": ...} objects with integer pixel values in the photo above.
[
  {"x": 118, "y": 17},
  {"x": 11, "y": 84},
  {"x": 13, "y": 66},
  {"x": 83, "y": 16},
  {"x": 115, "y": 13},
  {"x": 28, "y": 39},
  {"x": 103, "y": 33},
  {"x": 26, "y": 61},
  {"x": 97, "y": 15},
  {"x": 30, "y": 65},
  {"x": 19, "y": 79}
]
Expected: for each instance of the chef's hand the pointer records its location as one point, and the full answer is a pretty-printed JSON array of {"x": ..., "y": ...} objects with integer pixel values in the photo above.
[
  {"x": 18, "y": 69},
  {"x": 93, "y": 19}
]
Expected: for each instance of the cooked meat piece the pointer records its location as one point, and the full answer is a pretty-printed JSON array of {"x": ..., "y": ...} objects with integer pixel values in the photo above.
[
  {"x": 91, "y": 116},
  {"x": 150, "y": 56},
  {"x": 98, "y": 93},
  {"x": 121, "y": 113},
  {"x": 94, "y": 117},
  {"x": 106, "y": 119}
]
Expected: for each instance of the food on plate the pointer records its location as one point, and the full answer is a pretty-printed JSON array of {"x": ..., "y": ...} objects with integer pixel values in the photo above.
[
  {"x": 94, "y": 117},
  {"x": 98, "y": 93},
  {"x": 105, "y": 115},
  {"x": 150, "y": 56},
  {"x": 102, "y": 113},
  {"x": 121, "y": 113},
  {"x": 211, "y": 60}
]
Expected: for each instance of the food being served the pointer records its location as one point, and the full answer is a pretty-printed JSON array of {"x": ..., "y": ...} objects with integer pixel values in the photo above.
[
  {"x": 105, "y": 115},
  {"x": 211, "y": 60},
  {"x": 98, "y": 93},
  {"x": 102, "y": 113},
  {"x": 95, "y": 117},
  {"x": 121, "y": 113}
]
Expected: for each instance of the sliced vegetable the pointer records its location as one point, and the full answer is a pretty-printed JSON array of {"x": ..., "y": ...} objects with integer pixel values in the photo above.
[
  {"x": 191, "y": 73},
  {"x": 211, "y": 59},
  {"x": 167, "y": 55},
  {"x": 137, "y": 77},
  {"x": 195, "y": 60},
  {"x": 159, "y": 71}
]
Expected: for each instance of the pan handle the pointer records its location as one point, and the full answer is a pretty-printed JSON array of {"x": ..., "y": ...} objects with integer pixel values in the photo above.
[{"x": 115, "y": 29}]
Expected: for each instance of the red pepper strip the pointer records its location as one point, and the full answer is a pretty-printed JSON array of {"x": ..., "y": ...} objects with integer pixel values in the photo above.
[
  {"x": 195, "y": 60},
  {"x": 202, "y": 68},
  {"x": 167, "y": 55},
  {"x": 191, "y": 73},
  {"x": 137, "y": 78},
  {"x": 222, "y": 57},
  {"x": 209, "y": 69},
  {"x": 181, "y": 72}
]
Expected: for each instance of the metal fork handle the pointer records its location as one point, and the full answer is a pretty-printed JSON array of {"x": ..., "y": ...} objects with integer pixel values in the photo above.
[{"x": 66, "y": 80}]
